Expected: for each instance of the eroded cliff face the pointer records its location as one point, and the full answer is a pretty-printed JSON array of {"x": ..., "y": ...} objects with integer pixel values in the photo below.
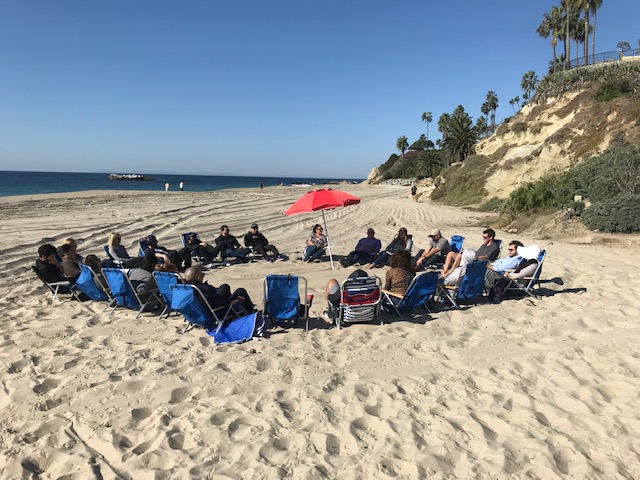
[{"x": 552, "y": 137}]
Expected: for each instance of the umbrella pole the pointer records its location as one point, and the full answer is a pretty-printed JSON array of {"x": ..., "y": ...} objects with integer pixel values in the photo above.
[{"x": 328, "y": 242}]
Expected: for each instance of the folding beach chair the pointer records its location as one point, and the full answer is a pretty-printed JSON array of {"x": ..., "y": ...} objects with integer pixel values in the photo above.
[
  {"x": 184, "y": 237},
  {"x": 190, "y": 302},
  {"x": 456, "y": 243},
  {"x": 528, "y": 284},
  {"x": 421, "y": 289},
  {"x": 359, "y": 301},
  {"x": 142, "y": 247},
  {"x": 282, "y": 303},
  {"x": 469, "y": 286},
  {"x": 86, "y": 283},
  {"x": 165, "y": 281},
  {"x": 124, "y": 294},
  {"x": 56, "y": 288},
  {"x": 499, "y": 243}
]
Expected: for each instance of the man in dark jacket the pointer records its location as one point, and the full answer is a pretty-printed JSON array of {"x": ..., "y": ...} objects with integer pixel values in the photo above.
[
  {"x": 229, "y": 246},
  {"x": 217, "y": 296},
  {"x": 180, "y": 258},
  {"x": 47, "y": 264},
  {"x": 259, "y": 243}
]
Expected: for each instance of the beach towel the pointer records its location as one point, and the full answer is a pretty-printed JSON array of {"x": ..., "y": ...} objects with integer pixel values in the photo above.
[{"x": 239, "y": 330}]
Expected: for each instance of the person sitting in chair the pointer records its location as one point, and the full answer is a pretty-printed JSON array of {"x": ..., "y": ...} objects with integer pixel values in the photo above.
[
  {"x": 316, "y": 243},
  {"x": 366, "y": 250},
  {"x": 70, "y": 264},
  {"x": 259, "y": 243},
  {"x": 119, "y": 253},
  {"x": 202, "y": 249},
  {"x": 48, "y": 266},
  {"x": 230, "y": 247},
  {"x": 434, "y": 254},
  {"x": 180, "y": 258},
  {"x": 217, "y": 296},
  {"x": 402, "y": 241},
  {"x": 400, "y": 274},
  {"x": 489, "y": 250}
]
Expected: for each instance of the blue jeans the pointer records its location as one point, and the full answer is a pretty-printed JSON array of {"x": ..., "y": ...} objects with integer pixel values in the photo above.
[
  {"x": 313, "y": 253},
  {"x": 359, "y": 257},
  {"x": 382, "y": 259}
]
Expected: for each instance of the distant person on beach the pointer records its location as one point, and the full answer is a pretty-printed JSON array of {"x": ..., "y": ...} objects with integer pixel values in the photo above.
[
  {"x": 181, "y": 186},
  {"x": 414, "y": 191},
  {"x": 316, "y": 243},
  {"x": 260, "y": 245},
  {"x": 118, "y": 252},
  {"x": 261, "y": 186},
  {"x": 167, "y": 187},
  {"x": 365, "y": 251},
  {"x": 48, "y": 266},
  {"x": 230, "y": 247},
  {"x": 217, "y": 296},
  {"x": 435, "y": 253}
]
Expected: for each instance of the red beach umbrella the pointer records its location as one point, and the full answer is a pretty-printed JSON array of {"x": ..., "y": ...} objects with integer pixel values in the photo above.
[{"x": 322, "y": 199}]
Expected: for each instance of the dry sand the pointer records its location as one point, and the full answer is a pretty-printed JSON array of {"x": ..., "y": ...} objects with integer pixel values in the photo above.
[{"x": 545, "y": 388}]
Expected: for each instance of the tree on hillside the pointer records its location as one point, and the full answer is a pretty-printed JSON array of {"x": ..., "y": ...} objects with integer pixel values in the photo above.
[
  {"x": 528, "y": 84},
  {"x": 482, "y": 127},
  {"x": 442, "y": 123},
  {"x": 566, "y": 10},
  {"x": 594, "y": 5},
  {"x": 421, "y": 144},
  {"x": 552, "y": 26},
  {"x": 402, "y": 144},
  {"x": 427, "y": 118},
  {"x": 430, "y": 163},
  {"x": 460, "y": 135},
  {"x": 492, "y": 105}
]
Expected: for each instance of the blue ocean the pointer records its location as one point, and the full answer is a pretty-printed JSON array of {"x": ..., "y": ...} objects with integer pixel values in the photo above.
[{"x": 27, "y": 183}]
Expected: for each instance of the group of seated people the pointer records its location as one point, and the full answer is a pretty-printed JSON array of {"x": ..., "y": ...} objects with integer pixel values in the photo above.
[{"x": 521, "y": 261}]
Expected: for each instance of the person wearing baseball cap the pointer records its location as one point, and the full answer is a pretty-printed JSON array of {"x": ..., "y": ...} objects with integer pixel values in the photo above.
[
  {"x": 260, "y": 245},
  {"x": 434, "y": 254},
  {"x": 365, "y": 251}
]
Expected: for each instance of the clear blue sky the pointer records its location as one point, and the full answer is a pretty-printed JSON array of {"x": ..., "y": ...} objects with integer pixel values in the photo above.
[{"x": 278, "y": 88}]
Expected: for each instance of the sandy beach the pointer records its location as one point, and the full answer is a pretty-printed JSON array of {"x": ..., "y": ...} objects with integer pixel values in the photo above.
[{"x": 544, "y": 388}]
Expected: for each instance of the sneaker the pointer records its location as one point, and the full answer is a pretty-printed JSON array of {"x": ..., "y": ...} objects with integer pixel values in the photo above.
[
  {"x": 344, "y": 263},
  {"x": 280, "y": 257},
  {"x": 268, "y": 259},
  {"x": 317, "y": 260}
]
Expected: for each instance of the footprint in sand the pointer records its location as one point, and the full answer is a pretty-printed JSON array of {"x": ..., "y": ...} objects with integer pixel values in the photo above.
[
  {"x": 46, "y": 386},
  {"x": 179, "y": 395}
]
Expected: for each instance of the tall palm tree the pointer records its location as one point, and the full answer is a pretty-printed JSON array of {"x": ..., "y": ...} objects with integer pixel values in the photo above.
[
  {"x": 402, "y": 144},
  {"x": 492, "y": 104},
  {"x": 595, "y": 5},
  {"x": 528, "y": 84},
  {"x": 442, "y": 123},
  {"x": 552, "y": 26},
  {"x": 517, "y": 100},
  {"x": 427, "y": 118},
  {"x": 567, "y": 8}
]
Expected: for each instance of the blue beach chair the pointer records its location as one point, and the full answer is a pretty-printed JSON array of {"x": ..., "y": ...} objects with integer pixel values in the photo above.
[
  {"x": 282, "y": 303},
  {"x": 86, "y": 283},
  {"x": 191, "y": 303},
  {"x": 421, "y": 289},
  {"x": 124, "y": 294},
  {"x": 528, "y": 284},
  {"x": 165, "y": 281},
  {"x": 457, "y": 243},
  {"x": 469, "y": 286}
]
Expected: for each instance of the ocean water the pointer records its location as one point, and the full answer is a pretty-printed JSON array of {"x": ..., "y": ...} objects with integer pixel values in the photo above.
[{"x": 27, "y": 183}]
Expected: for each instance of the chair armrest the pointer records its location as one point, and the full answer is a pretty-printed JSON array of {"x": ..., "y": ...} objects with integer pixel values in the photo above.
[{"x": 387, "y": 292}]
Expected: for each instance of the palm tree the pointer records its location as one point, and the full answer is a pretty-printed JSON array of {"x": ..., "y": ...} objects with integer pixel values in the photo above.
[
  {"x": 517, "y": 99},
  {"x": 442, "y": 123},
  {"x": 566, "y": 6},
  {"x": 402, "y": 144},
  {"x": 492, "y": 105},
  {"x": 512, "y": 102},
  {"x": 595, "y": 5},
  {"x": 528, "y": 84},
  {"x": 481, "y": 127},
  {"x": 552, "y": 25},
  {"x": 461, "y": 136},
  {"x": 427, "y": 118}
]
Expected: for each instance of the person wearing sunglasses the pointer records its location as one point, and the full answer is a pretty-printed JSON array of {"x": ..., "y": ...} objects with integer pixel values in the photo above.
[
  {"x": 230, "y": 247},
  {"x": 316, "y": 243},
  {"x": 489, "y": 250}
]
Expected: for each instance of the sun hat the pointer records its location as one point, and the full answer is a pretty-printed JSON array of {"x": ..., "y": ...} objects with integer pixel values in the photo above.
[
  {"x": 529, "y": 253},
  {"x": 435, "y": 232}
]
